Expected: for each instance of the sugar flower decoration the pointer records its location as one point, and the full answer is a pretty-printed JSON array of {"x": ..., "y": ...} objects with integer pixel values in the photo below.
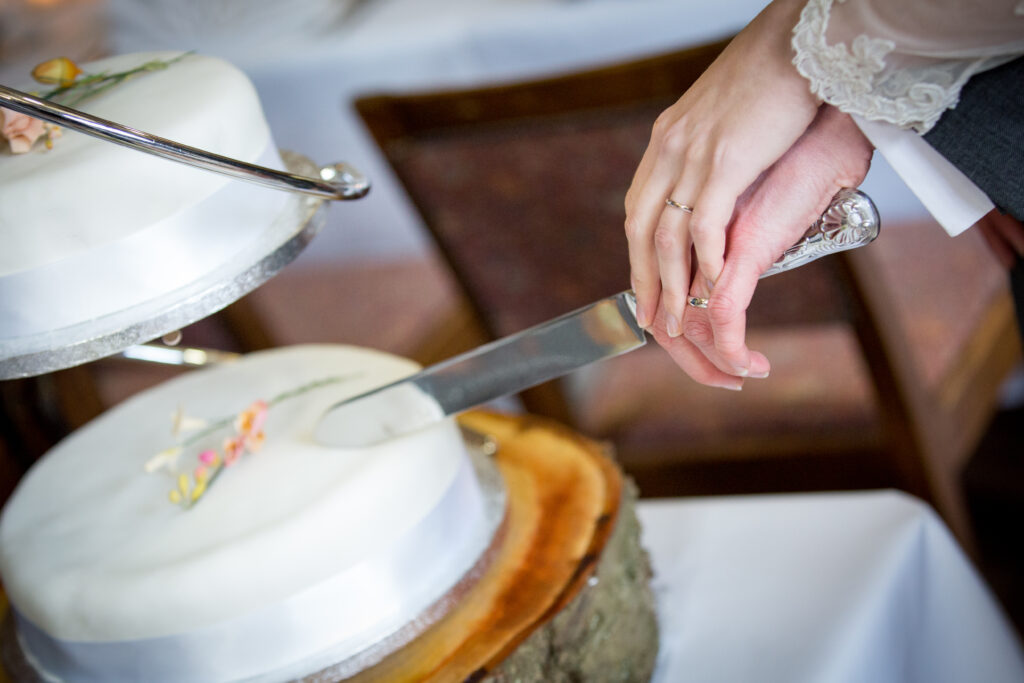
[
  {"x": 245, "y": 435},
  {"x": 20, "y": 130},
  {"x": 183, "y": 424},
  {"x": 60, "y": 71},
  {"x": 73, "y": 86},
  {"x": 247, "y": 438},
  {"x": 249, "y": 425},
  {"x": 165, "y": 459}
]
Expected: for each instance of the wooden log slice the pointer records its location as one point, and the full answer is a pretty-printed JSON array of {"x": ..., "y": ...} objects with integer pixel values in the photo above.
[{"x": 567, "y": 596}]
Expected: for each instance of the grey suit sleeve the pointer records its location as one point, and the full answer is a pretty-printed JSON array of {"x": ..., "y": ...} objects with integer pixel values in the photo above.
[{"x": 983, "y": 135}]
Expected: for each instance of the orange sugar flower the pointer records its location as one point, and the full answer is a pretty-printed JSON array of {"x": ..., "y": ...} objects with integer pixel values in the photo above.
[
  {"x": 59, "y": 71},
  {"x": 233, "y": 447},
  {"x": 249, "y": 425},
  {"x": 250, "y": 420}
]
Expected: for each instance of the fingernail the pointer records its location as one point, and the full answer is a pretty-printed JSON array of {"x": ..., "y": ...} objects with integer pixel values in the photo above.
[
  {"x": 643, "y": 318},
  {"x": 672, "y": 326},
  {"x": 732, "y": 386},
  {"x": 759, "y": 365},
  {"x": 742, "y": 372}
]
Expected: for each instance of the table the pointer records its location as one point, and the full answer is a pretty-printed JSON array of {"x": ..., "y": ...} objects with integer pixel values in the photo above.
[
  {"x": 866, "y": 586},
  {"x": 808, "y": 588}
]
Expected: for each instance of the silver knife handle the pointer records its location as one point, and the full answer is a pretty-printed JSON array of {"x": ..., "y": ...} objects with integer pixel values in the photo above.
[{"x": 850, "y": 221}]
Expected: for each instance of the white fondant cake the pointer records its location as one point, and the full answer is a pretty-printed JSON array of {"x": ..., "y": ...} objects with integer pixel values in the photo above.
[
  {"x": 298, "y": 556},
  {"x": 89, "y": 211}
]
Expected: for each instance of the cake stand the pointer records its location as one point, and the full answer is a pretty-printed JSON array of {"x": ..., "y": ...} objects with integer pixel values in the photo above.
[{"x": 301, "y": 217}]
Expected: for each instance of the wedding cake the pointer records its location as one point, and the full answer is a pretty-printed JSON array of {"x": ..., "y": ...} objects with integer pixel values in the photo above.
[
  {"x": 90, "y": 228},
  {"x": 199, "y": 531},
  {"x": 291, "y": 558}
]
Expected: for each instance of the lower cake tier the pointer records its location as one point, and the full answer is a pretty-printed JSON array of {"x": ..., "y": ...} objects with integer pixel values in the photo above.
[
  {"x": 565, "y": 595},
  {"x": 242, "y": 548}
]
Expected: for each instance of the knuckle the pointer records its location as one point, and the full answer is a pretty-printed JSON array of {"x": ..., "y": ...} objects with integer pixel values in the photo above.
[
  {"x": 674, "y": 141},
  {"x": 731, "y": 352},
  {"x": 698, "y": 331},
  {"x": 699, "y": 226},
  {"x": 640, "y": 282},
  {"x": 725, "y": 157},
  {"x": 665, "y": 238},
  {"x": 662, "y": 123},
  {"x": 695, "y": 154},
  {"x": 634, "y": 230},
  {"x": 722, "y": 309}
]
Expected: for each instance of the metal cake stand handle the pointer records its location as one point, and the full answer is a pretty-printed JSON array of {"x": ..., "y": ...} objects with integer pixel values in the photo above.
[{"x": 337, "y": 181}]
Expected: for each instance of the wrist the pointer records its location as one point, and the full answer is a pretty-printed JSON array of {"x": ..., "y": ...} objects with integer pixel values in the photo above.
[{"x": 772, "y": 32}]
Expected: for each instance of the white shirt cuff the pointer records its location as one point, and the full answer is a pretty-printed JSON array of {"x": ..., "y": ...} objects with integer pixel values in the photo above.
[{"x": 949, "y": 195}]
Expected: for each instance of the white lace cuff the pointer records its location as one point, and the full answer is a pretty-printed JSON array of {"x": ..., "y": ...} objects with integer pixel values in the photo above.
[{"x": 909, "y": 86}]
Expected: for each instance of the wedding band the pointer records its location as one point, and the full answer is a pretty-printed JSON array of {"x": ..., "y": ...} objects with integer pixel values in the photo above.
[
  {"x": 682, "y": 207},
  {"x": 697, "y": 302}
]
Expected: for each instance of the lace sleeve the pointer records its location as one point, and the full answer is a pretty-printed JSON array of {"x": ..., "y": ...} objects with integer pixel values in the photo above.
[{"x": 903, "y": 61}]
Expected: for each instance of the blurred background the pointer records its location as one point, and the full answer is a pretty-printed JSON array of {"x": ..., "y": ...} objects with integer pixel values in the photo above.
[{"x": 525, "y": 118}]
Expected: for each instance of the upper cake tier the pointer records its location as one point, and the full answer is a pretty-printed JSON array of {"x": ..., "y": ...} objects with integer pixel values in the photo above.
[
  {"x": 85, "y": 192},
  {"x": 97, "y": 237}
]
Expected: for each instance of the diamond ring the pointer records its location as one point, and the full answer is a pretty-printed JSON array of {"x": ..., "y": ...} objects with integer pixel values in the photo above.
[{"x": 697, "y": 302}]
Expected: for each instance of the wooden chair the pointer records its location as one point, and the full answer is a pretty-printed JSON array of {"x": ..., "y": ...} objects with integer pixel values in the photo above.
[{"x": 522, "y": 186}]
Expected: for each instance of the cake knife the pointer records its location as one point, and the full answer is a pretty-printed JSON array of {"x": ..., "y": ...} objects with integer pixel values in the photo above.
[{"x": 603, "y": 329}]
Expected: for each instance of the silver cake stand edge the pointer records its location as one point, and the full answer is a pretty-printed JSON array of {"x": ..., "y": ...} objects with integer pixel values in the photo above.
[{"x": 95, "y": 339}]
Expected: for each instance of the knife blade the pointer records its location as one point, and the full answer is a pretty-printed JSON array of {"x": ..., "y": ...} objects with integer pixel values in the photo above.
[{"x": 603, "y": 329}]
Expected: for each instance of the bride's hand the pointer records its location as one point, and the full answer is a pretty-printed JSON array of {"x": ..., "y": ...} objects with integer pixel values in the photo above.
[{"x": 739, "y": 117}]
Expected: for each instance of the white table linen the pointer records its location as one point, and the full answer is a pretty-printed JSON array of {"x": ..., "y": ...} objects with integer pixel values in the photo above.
[{"x": 820, "y": 587}]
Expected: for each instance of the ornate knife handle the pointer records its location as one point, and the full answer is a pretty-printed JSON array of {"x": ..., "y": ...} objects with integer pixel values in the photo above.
[
  {"x": 850, "y": 221},
  {"x": 337, "y": 181}
]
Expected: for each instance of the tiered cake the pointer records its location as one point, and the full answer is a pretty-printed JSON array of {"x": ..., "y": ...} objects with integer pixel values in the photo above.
[{"x": 234, "y": 546}]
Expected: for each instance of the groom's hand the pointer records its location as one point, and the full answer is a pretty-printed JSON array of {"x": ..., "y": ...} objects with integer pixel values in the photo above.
[{"x": 771, "y": 216}]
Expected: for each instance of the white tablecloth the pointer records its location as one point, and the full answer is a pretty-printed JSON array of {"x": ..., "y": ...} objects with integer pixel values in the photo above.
[{"x": 866, "y": 587}]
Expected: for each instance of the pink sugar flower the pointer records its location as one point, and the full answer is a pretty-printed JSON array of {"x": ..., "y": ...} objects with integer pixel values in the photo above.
[{"x": 20, "y": 130}]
